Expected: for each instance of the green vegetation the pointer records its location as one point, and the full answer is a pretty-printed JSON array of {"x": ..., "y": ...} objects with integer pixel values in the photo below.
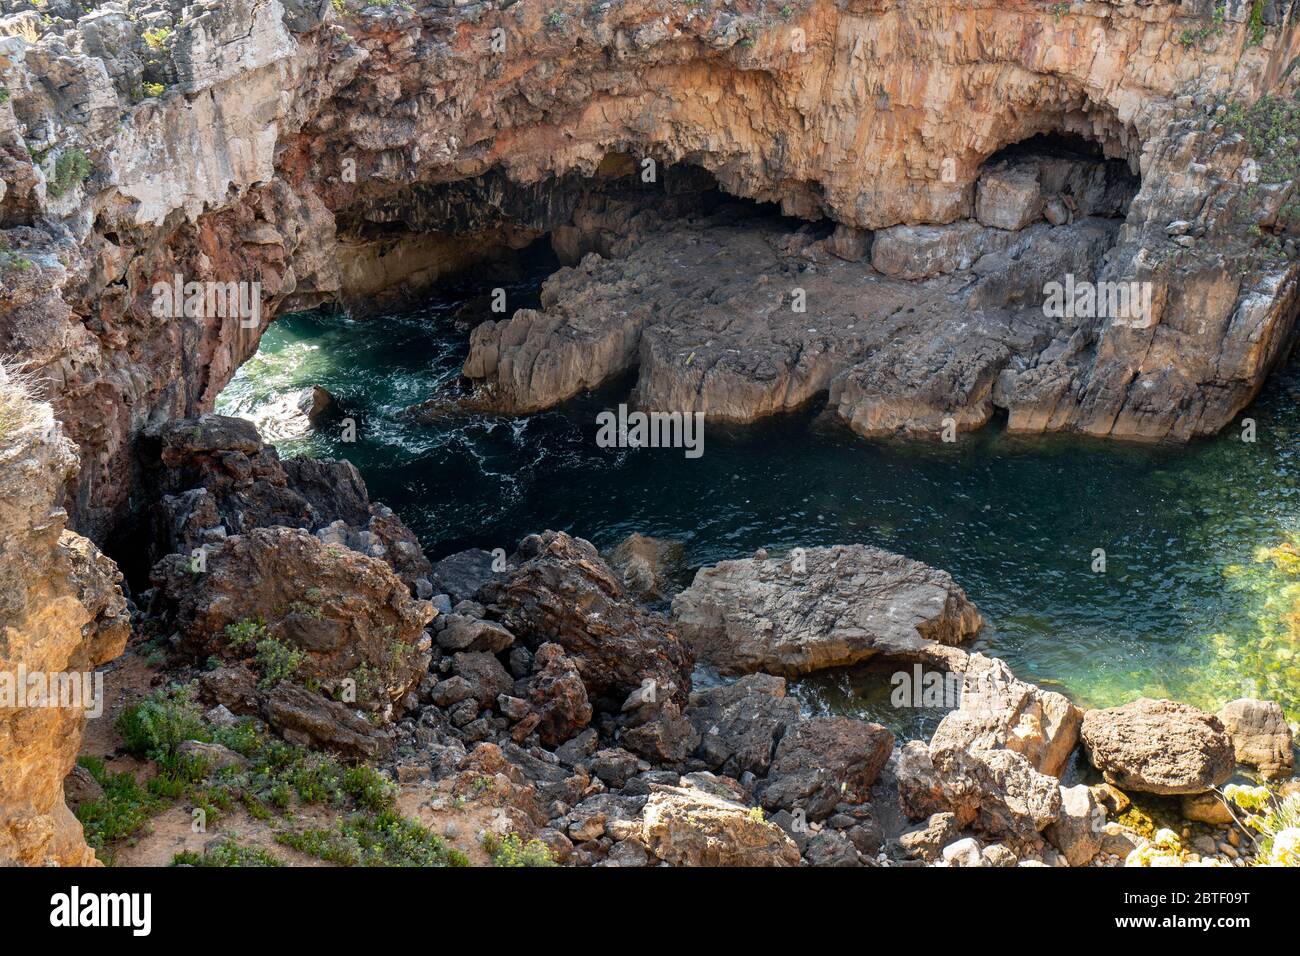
[
  {"x": 71, "y": 168},
  {"x": 274, "y": 778},
  {"x": 375, "y": 839},
  {"x": 156, "y": 38},
  {"x": 11, "y": 261},
  {"x": 1271, "y": 128},
  {"x": 272, "y": 659},
  {"x": 510, "y": 850},
  {"x": 1276, "y": 819},
  {"x": 1197, "y": 36},
  {"x": 226, "y": 853}
]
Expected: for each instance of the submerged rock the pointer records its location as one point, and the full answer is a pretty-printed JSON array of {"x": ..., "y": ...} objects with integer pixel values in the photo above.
[{"x": 820, "y": 608}]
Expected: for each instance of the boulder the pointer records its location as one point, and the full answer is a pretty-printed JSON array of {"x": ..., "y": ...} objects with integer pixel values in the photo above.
[
  {"x": 1158, "y": 746},
  {"x": 1077, "y": 831},
  {"x": 927, "y": 841},
  {"x": 824, "y": 607},
  {"x": 1207, "y": 808},
  {"x": 739, "y": 724},
  {"x": 462, "y": 575},
  {"x": 920, "y": 252},
  {"x": 1009, "y": 196},
  {"x": 486, "y": 676},
  {"x": 461, "y": 632},
  {"x": 963, "y": 853},
  {"x": 996, "y": 791},
  {"x": 824, "y": 761},
  {"x": 561, "y": 591},
  {"x": 1260, "y": 736},
  {"x": 644, "y": 563},
  {"x": 558, "y": 696},
  {"x": 699, "y": 825},
  {"x": 346, "y": 617}
]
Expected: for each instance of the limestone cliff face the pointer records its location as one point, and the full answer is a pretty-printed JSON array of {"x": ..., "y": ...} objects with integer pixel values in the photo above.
[
  {"x": 278, "y": 120},
  {"x": 61, "y": 613}
]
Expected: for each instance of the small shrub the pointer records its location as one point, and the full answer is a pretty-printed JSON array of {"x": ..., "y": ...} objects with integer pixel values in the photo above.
[
  {"x": 510, "y": 850},
  {"x": 157, "y": 726},
  {"x": 71, "y": 168},
  {"x": 226, "y": 853}
]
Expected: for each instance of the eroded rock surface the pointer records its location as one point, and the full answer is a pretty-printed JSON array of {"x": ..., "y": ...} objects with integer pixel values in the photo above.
[
  {"x": 819, "y": 608},
  {"x": 1158, "y": 746}
]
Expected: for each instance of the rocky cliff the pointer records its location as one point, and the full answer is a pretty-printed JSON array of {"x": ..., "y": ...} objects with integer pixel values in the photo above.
[
  {"x": 250, "y": 141},
  {"x": 61, "y": 615}
]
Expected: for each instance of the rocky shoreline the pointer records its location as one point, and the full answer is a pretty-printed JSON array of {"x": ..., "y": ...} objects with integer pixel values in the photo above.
[{"x": 537, "y": 699}]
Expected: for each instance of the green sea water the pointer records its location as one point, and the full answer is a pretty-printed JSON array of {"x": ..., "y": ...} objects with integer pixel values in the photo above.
[{"x": 1199, "y": 600}]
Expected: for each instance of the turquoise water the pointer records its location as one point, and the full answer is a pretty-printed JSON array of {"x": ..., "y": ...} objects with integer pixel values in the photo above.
[{"x": 1188, "y": 606}]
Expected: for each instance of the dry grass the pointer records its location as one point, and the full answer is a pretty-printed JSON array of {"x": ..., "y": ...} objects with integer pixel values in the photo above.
[{"x": 20, "y": 402}]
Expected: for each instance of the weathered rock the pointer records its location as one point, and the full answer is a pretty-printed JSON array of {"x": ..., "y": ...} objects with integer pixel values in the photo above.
[
  {"x": 690, "y": 825},
  {"x": 964, "y": 853},
  {"x": 1261, "y": 737},
  {"x": 1077, "y": 831},
  {"x": 999, "y": 711},
  {"x": 561, "y": 591},
  {"x": 927, "y": 841},
  {"x": 486, "y": 677},
  {"x": 462, "y": 575},
  {"x": 463, "y": 633},
  {"x": 824, "y": 607},
  {"x": 996, "y": 791},
  {"x": 739, "y": 724},
  {"x": 61, "y": 613},
  {"x": 1158, "y": 746},
  {"x": 558, "y": 696},
  {"x": 80, "y": 786},
  {"x": 1009, "y": 196},
  {"x": 348, "y": 616},
  {"x": 824, "y": 761},
  {"x": 1206, "y": 807}
]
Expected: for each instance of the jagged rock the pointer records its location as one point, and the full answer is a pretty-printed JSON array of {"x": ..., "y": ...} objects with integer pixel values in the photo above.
[
  {"x": 996, "y": 791},
  {"x": 841, "y": 605},
  {"x": 1158, "y": 746},
  {"x": 823, "y": 761},
  {"x": 306, "y": 718},
  {"x": 1077, "y": 831},
  {"x": 318, "y": 404},
  {"x": 615, "y": 766},
  {"x": 558, "y": 696},
  {"x": 1260, "y": 736},
  {"x": 561, "y": 591},
  {"x": 61, "y": 611},
  {"x": 999, "y": 711},
  {"x": 927, "y": 841},
  {"x": 1009, "y": 196},
  {"x": 963, "y": 853},
  {"x": 920, "y": 252},
  {"x": 349, "y": 616},
  {"x": 831, "y": 848},
  {"x": 995, "y": 854},
  {"x": 80, "y": 786},
  {"x": 690, "y": 825},
  {"x": 739, "y": 724}
]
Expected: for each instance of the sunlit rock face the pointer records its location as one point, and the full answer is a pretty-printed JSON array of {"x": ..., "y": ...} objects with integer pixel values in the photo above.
[
  {"x": 62, "y": 614},
  {"x": 231, "y": 149}
]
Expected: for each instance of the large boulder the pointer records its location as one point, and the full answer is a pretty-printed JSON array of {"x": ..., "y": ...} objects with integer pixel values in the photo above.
[
  {"x": 560, "y": 591},
  {"x": 1260, "y": 736},
  {"x": 1158, "y": 746},
  {"x": 1009, "y": 196},
  {"x": 825, "y": 761},
  {"x": 344, "y": 616},
  {"x": 739, "y": 724},
  {"x": 558, "y": 696},
  {"x": 704, "y": 823},
  {"x": 819, "y": 608}
]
